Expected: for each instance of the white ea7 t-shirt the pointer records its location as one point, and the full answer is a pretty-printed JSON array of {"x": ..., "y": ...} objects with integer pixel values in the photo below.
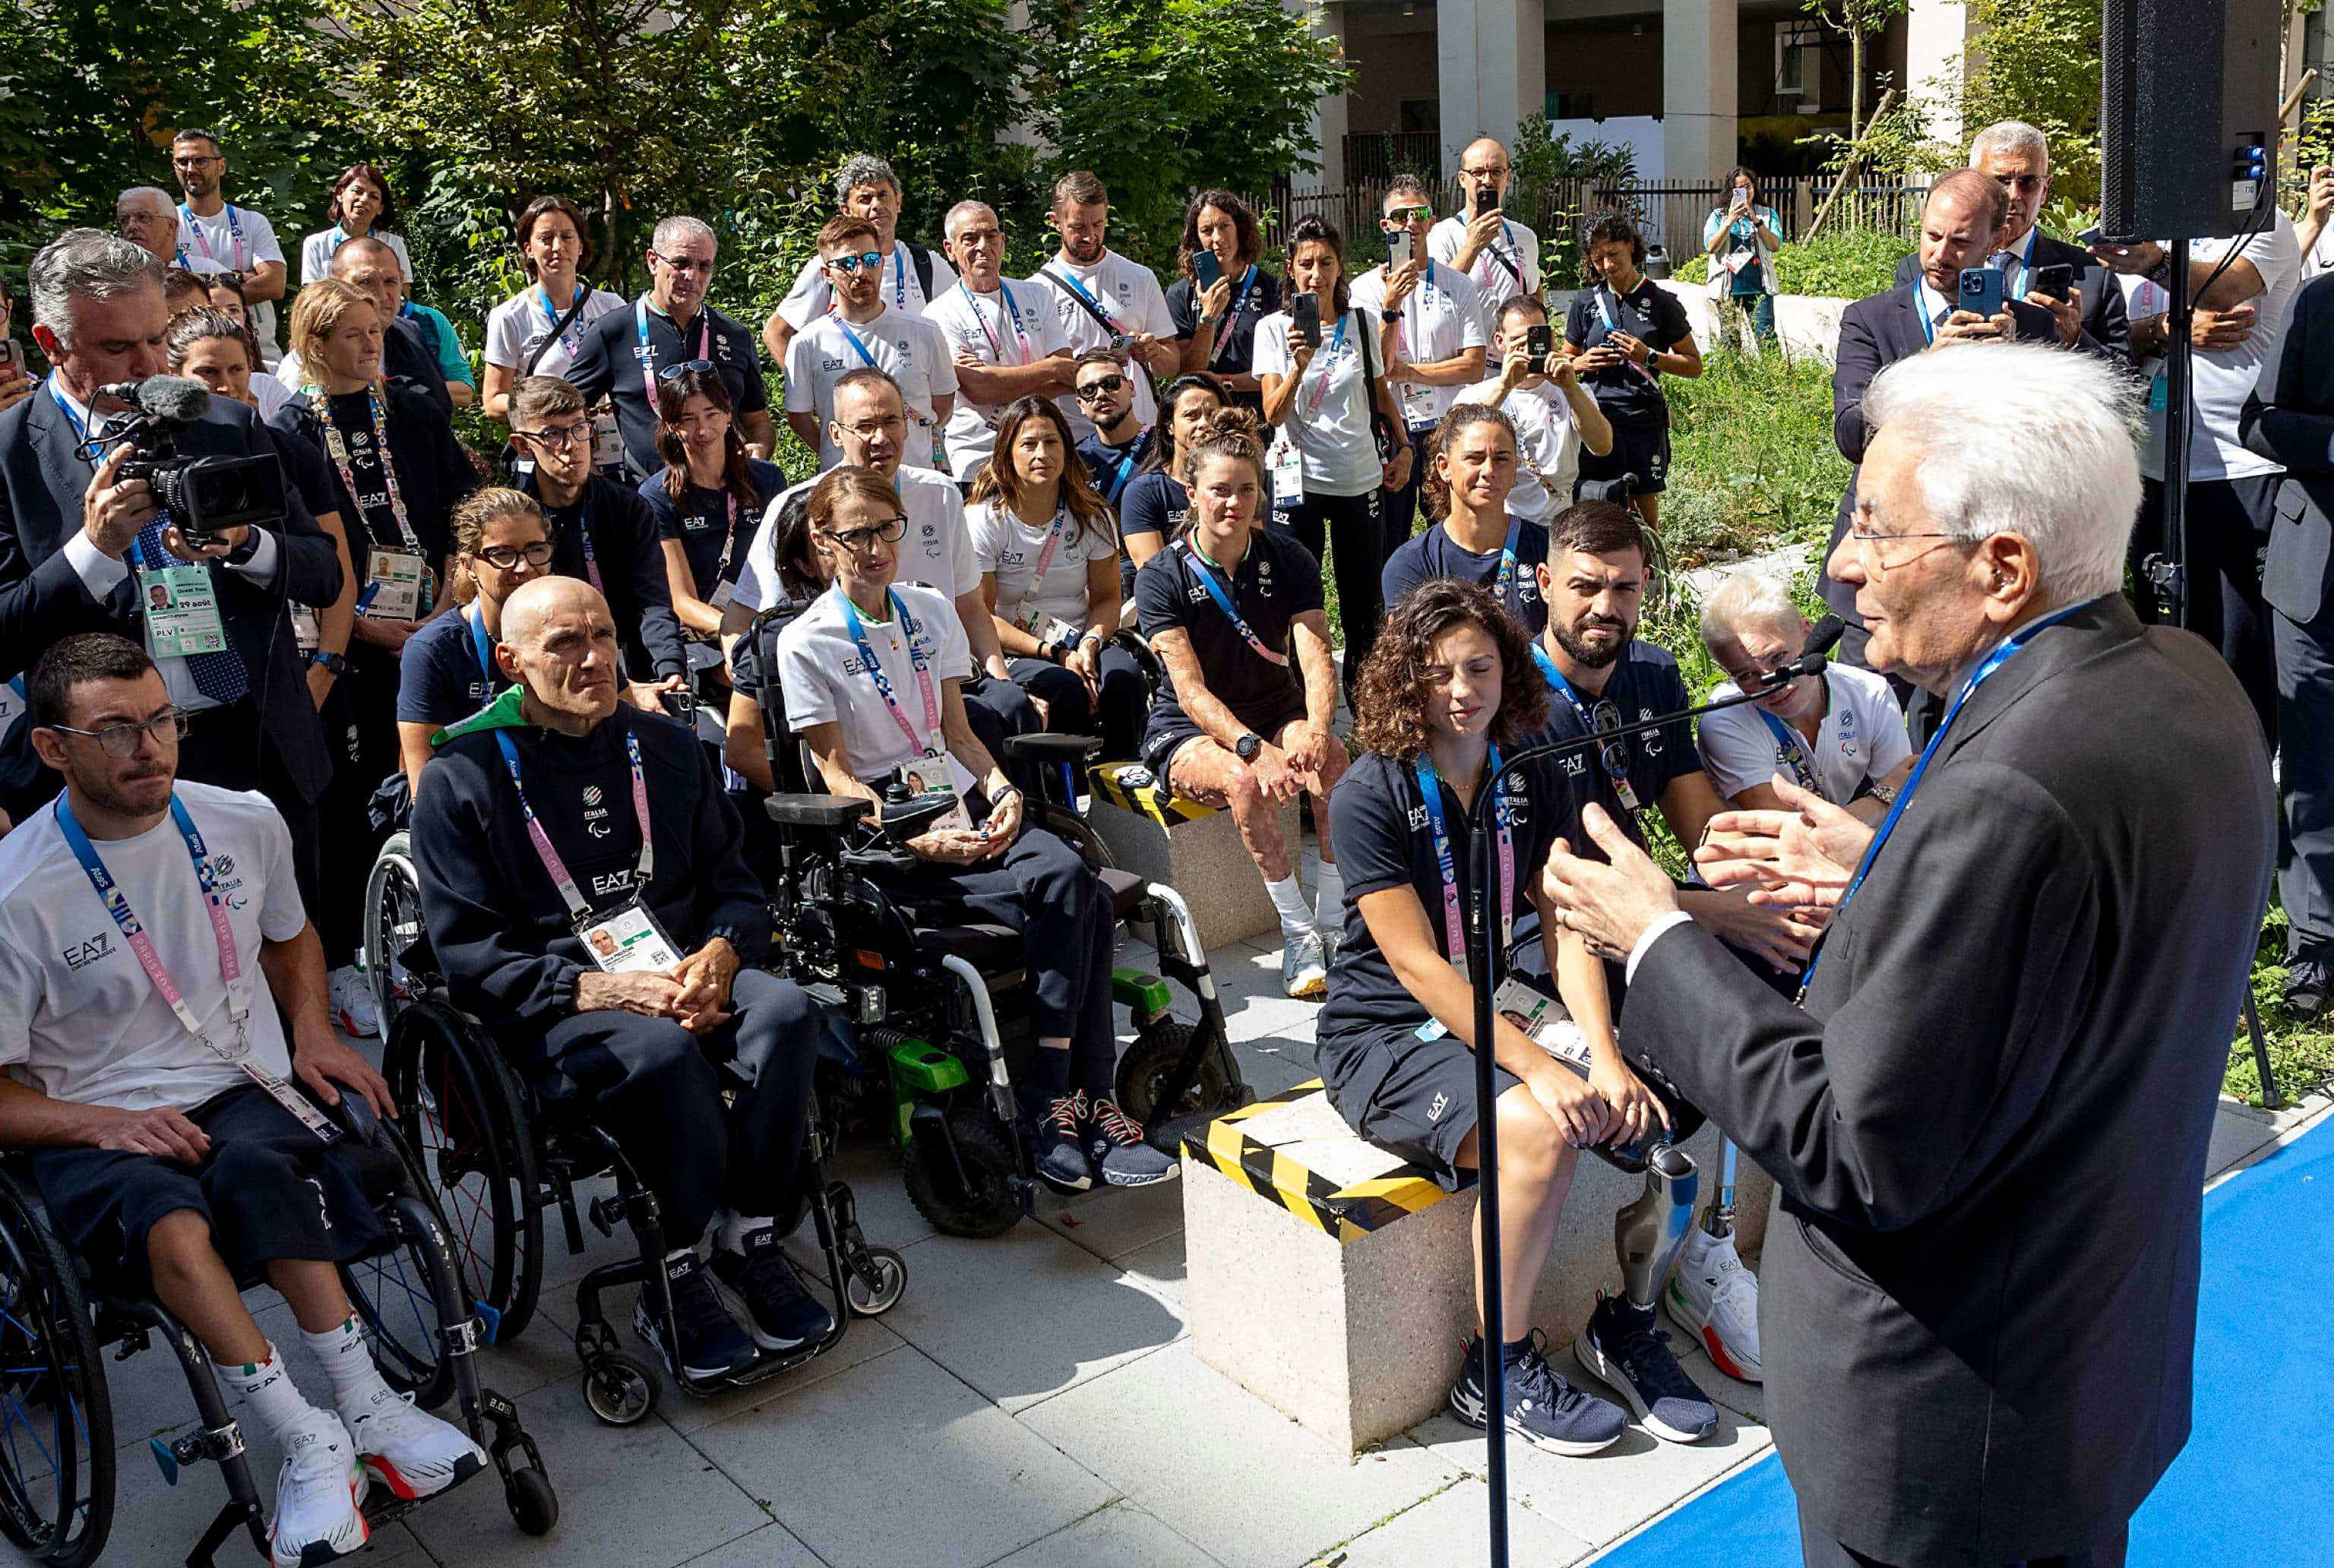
[
  {"x": 1862, "y": 737},
  {"x": 826, "y": 681},
  {"x": 934, "y": 549}
]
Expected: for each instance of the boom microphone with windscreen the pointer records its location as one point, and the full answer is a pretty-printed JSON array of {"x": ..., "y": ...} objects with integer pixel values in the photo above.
[{"x": 204, "y": 495}]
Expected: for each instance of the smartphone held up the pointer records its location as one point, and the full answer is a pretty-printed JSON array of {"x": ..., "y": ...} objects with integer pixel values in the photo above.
[{"x": 1305, "y": 314}]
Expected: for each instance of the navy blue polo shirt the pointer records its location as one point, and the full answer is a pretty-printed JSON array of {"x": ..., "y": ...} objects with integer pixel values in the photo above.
[{"x": 1434, "y": 554}]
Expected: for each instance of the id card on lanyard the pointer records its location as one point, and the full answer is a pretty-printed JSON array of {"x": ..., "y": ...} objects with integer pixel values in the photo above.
[
  {"x": 177, "y": 599},
  {"x": 646, "y": 354},
  {"x": 1619, "y": 776},
  {"x": 623, "y": 940},
  {"x": 397, "y": 580},
  {"x": 940, "y": 776},
  {"x": 1219, "y": 590},
  {"x": 1035, "y": 621},
  {"x": 1608, "y": 307},
  {"x": 1418, "y": 399},
  {"x": 1504, "y": 584},
  {"x": 125, "y": 919},
  {"x": 1454, "y": 926},
  {"x": 1794, "y": 754}
]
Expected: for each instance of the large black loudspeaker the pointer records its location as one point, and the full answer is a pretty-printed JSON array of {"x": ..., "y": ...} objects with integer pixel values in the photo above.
[{"x": 2188, "y": 117}]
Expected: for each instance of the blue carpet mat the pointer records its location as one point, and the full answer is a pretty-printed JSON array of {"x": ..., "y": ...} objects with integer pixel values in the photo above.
[{"x": 2245, "y": 1490}]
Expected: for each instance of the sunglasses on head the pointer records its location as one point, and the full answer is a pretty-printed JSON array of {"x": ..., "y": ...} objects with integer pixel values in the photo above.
[
  {"x": 1099, "y": 385},
  {"x": 870, "y": 261},
  {"x": 674, "y": 373}
]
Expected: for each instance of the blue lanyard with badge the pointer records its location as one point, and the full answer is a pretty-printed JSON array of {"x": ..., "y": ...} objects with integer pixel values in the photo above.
[
  {"x": 1287, "y": 459},
  {"x": 1992, "y": 661},
  {"x": 117, "y": 904},
  {"x": 1794, "y": 754},
  {"x": 1563, "y": 688},
  {"x": 179, "y": 600},
  {"x": 483, "y": 645},
  {"x": 1222, "y": 596},
  {"x": 1418, "y": 399},
  {"x": 397, "y": 584},
  {"x": 1506, "y": 581},
  {"x": 931, "y": 770},
  {"x": 234, "y": 229},
  {"x": 1454, "y": 929},
  {"x": 1044, "y": 628},
  {"x": 997, "y": 345},
  {"x": 1231, "y": 316},
  {"x": 627, "y": 939},
  {"x": 1608, "y": 306},
  {"x": 573, "y": 339}
]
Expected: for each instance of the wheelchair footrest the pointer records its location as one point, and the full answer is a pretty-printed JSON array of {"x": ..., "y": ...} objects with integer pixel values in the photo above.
[{"x": 217, "y": 1445}]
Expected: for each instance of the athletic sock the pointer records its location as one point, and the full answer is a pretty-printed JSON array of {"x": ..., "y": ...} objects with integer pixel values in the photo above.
[
  {"x": 1329, "y": 898},
  {"x": 1513, "y": 1351},
  {"x": 266, "y": 1386},
  {"x": 732, "y": 1229},
  {"x": 340, "y": 1351},
  {"x": 1288, "y": 899}
]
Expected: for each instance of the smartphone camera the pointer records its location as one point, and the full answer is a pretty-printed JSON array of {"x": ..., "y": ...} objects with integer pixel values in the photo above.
[
  {"x": 1304, "y": 312},
  {"x": 1121, "y": 344},
  {"x": 1539, "y": 341}
]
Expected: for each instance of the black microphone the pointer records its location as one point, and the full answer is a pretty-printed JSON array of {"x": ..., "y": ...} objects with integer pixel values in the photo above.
[
  {"x": 1822, "y": 637},
  {"x": 174, "y": 399}
]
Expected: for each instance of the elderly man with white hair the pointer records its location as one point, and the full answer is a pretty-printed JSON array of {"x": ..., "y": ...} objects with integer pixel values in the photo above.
[
  {"x": 624, "y": 352},
  {"x": 149, "y": 219},
  {"x": 1839, "y": 734},
  {"x": 1988, "y": 1119}
]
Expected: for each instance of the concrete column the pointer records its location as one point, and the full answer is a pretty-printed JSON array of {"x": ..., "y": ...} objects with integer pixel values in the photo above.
[
  {"x": 1492, "y": 61},
  {"x": 1328, "y": 113},
  {"x": 1700, "y": 90},
  {"x": 1936, "y": 41}
]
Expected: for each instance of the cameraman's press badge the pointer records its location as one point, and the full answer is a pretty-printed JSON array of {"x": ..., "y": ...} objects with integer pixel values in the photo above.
[{"x": 182, "y": 607}]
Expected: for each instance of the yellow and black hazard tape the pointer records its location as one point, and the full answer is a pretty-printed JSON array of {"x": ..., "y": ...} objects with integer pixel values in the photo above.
[
  {"x": 1149, "y": 800},
  {"x": 1348, "y": 1213}
]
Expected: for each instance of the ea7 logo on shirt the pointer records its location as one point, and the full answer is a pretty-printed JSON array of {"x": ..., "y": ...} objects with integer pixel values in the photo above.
[
  {"x": 826, "y": 364},
  {"x": 612, "y": 882},
  {"x": 1575, "y": 764},
  {"x": 1418, "y": 819},
  {"x": 80, "y": 955}
]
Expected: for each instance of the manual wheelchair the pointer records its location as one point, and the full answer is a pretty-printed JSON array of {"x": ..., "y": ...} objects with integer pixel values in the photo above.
[
  {"x": 941, "y": 1012},
  {"x": 498, "y": 1151},
  {"x": 58, "y": 1315}
]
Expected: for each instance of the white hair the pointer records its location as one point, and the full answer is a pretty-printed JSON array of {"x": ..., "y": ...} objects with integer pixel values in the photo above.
[
  {"x": 1744, "y": 601},
  {"x": 965, "y": 209},
  {"x": 2023, "y": 439},
  {"x": 2012, "y": 135},
  {"x": 86, "y": 264},
  {"x": 151, "y": 197},
  {"x": 864, "y": 168},
  {"x": 672, "y": 231}
]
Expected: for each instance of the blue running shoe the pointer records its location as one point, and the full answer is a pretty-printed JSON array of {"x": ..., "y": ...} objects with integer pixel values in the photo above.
[
  {"x": 1621, "y": 1347},
  {"x": 1544, "y": 1409}
]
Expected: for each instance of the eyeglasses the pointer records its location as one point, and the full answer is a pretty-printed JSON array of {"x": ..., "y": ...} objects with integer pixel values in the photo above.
[
  {"x": 1868, "y": 544},
  {"x": 686, "y": 367},
  {"x": 681, "y": 263},
  {"x": 1099, "y": 385},
  {"x": 1492, "y": 173},
  {"x": 859, "y": 541},
  {"x": 868, "y": 430},
  {"x": 870, "y": 261},
  {"x": 196, "y": 162},
  {"x": 2020, "y": 181},
  {"x": 559, "y": 435},
  {"x": 121, "y": 739},
  {"x": 1614, "y": 753},
  {"x": 503, "y": 557},
  {"x": 1402, "y": 214}
]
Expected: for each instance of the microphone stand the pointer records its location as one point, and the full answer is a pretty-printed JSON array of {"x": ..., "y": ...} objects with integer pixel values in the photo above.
[{"x": 1482, "y": 954}]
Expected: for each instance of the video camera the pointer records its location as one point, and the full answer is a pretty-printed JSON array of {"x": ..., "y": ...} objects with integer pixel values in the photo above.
[{"x": 204, "y": 495}]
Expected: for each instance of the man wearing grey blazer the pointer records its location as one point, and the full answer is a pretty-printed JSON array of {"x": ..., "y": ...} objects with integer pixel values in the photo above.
[{"x": 1989, "y": 1125}]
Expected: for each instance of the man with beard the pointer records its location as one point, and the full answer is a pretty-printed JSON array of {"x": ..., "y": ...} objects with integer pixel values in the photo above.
[{"x": 1103, "y": 300}]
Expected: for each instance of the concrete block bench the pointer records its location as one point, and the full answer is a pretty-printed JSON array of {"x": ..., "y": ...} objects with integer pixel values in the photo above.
[
  {"x": 1336, "y": 1283},
  {"x": 1194, "y": 849}
]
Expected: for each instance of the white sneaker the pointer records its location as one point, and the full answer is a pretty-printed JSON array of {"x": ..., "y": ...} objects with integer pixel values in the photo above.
[
  {"x": 1716, "y": 1300},
  {"x": 319, "y": 1495},
  {"x": 1304, "y": 965},
  {"x": 351, "y": 998},
  {"x": 414, "y": 1453}
]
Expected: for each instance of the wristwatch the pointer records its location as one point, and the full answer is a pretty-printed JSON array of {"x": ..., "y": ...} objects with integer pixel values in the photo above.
[
  {"x": 1885, "y": 793},
  {"x": 1390, "y": 317},
  {"x": 338, "y": 663},
  {"x": 1248, "y": 746}
]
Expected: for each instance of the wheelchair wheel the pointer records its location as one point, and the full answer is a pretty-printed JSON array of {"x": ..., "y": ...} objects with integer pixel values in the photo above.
[
  {"x": 396, "y": 1293},
  {"x": 620, "y": 1388},
  {"x": 56, "y": 1423},
  {"x": 392, "y": 921},
  {"x": 985, "y": 1201},
  {"x": 872, "y": 1298},
  {"x": 1144, "y": 1070},
  {"x": 460, "y": 1115}
]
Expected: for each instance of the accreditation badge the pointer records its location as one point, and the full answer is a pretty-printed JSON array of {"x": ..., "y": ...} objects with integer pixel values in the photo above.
[
  {"x": 1288, "y": 465},
  {"x": 627, "y": 940},
  {"x": 936, "y": 775},
  {"x": 181, "y": 609},
  {"x": 397, "y": 585}
]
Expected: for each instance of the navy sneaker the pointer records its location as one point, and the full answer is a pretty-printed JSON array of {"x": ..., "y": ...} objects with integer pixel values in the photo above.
[
  {"x": 709, "y": 1343},
  {"x": 1117, "y": 1143},
  {"x": 2305, "y": 989},
  {"x": 782, "y": 1315},
  {"x": 1544, "y": 1409},
  {"x": 1062, "y": 1163},
  {"x": 1621, "y": 1347}
]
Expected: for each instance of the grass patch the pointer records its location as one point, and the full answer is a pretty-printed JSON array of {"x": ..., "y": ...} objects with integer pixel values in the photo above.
[
  {"x": 1842, "y": 262},
  {"x": 2301, "y": 1055},
  {"x": 1752, "y": 463}
]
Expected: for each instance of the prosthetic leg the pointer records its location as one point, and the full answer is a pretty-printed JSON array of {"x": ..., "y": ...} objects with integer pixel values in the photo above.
[
  {"x": 1719, "y": 1219},
  {"x": 1647, "y": 1233},
  {"x": 1620, "y": 1347}
]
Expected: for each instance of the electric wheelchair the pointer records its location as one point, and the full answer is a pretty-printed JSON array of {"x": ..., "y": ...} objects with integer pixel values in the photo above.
[
  {"x": 496, "y": 1151},
  {"x": 58, "y": 1316},
  {"x": 940, "y": 1012}
]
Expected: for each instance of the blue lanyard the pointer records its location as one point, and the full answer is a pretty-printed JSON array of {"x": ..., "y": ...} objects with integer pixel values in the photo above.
[
  {"x": 1231, "y": 317},
  {"x": 1612, "y": 324},
  {"x": 1921, "y": 309},
  {"x": 1126, "y": 465},
  {"x": 868, "y": 359},
  {"x": 1217, "y": 591},
  {"x": 858, "y": 628},
  {"x": 900, "y": 274},
  {"x": 82, "y": 445},
  {"x": 1328, "y": 364},
  {"x": 995, "y": 343},
  {"x": 575, "y": 345},
  {"x": 2024, "y": 263},
  {"x": 1786, "y": 743},
  {"x": 1454, "y": 932},
  {"x": 1563, "y": 688},
  {"x": 1993, "y": 661},
  {"x": 647, "y": 355},
  {"x": 1064, "y": 273},
  {"x": 484, "y": 649},
  {"x": 1507, "y": 577}
]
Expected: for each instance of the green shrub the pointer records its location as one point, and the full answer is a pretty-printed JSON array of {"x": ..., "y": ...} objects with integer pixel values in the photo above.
[
  {"x": 1847, "y": 262},
  {"x": 1752, "y": 463}
]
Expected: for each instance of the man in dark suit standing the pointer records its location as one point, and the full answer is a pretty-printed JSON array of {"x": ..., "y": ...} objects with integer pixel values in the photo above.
[
  {"x": 2295, "y": 426},
  {"x": 2091, "y": 315},
  {"x": 82, "y": 549},
  {"x": 1989, "y": 1125},
  {"x": 1964, "y": 221}
]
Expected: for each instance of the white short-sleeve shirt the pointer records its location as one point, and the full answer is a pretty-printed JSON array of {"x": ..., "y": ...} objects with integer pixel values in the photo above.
[
  {"x": 935, "y": 550},
  {"x": 316, "y": 253},
  {"x": 812, "y": 297},
  {"x": 827, "y": 681},
  {"x": 2224, "y": 378},
  {"x": 1129, "y": 299},
  {"x": 1005, "y": 545},
  {"x": 1862, "y": 737},
  {"x": 1014, "y": 326},
  {"x": 1330, "y": 420},
  {"x": 1495, "y": 284},
  {"x": 1548, "y": 446},
  {"x": 518, "y": 325},
  {"x": 82, "y": 1022},
  {"x": 233, "y": 239},
  {"x": 1442, "y": 318},
  {"x": 907, "y": 348}
]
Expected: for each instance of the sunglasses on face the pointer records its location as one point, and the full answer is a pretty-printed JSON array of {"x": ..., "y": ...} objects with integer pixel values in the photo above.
[
  {"x": 1403, "y": 215},
  {"x": 681, "y": 263},
  {"x": 870, "y": 261},
  {"x": 503, "y": 557},
  {"x": 1099, "y": 385}
]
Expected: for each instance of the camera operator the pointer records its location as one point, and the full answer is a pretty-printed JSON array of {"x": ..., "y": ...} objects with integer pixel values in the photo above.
[{"x": 82, "y": 544}]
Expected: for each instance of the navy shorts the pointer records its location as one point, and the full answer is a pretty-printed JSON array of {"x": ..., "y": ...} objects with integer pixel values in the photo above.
[
  {"x": 270, "y": 1188},
  {"x": 1641, "y": 449},
  {"x": 1410, "y": 1097},
  {"x": 1163, "y": 741}
]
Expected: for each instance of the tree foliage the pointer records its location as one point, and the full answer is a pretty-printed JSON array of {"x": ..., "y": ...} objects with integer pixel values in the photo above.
[{"x": 2040, "y": 60}]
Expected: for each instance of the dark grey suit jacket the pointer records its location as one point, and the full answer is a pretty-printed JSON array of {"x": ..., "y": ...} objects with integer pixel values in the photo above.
[
  {"x": 2107, "y": 330},
  {"x": 1874, "y": 334},
  {"x": 2294, "y": 426},
  {"x": 1988, "y": 1128},
  {"x": 42, "y": 478}
]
